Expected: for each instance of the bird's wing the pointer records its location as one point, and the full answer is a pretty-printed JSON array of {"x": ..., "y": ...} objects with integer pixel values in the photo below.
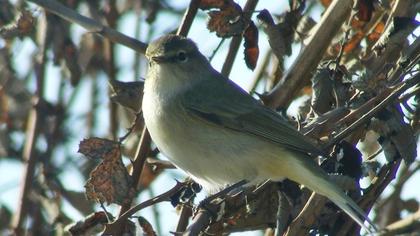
[{"x": 237, "y": 110}]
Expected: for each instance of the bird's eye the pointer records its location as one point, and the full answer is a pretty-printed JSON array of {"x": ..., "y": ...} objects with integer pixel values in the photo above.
[{"x": 182, "y": 56}]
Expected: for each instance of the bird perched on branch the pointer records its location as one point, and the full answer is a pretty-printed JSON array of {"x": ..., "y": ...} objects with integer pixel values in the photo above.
[{"x": 218, "y": 134}]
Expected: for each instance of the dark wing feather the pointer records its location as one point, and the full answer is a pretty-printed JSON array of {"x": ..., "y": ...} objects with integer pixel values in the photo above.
[{"x": 239, "y": 111}]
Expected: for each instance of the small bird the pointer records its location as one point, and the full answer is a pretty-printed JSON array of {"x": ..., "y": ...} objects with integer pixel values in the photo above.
[{"x": 219, "y": 134}]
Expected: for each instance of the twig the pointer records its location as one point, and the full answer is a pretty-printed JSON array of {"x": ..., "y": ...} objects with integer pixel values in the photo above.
[
  {"x": 131, "y": 128},
  {"x": 109, "y": 55},
  {"x": 410, "y": 224},
  {"x": 30, "y": 160},
  {"x": 216, "y": 49},
  {"x": 29, "y": 155},
  {"x": 308, "y": 215},
  {"x": 186, "y": 213},
  {"x": 160, "y": 198},
  {"x": 91, "y": 25},
  {"x": 117, "y": 228},
  {"x": 385, "y": 176},
  {"x": 224, "y": 191},
  {"x": 206, "y": 209},
  {"x": 301, "y": 70},
  {"x": 390, "y": 95},
  {"x": 260, "y": 72},
  {"x": 236, "y": 40},
  {"x": 188, "y": 18}
]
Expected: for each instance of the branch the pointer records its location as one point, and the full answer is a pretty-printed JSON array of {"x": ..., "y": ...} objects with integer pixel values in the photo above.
[
  {"x": 188, "y": 18},
  {"x": 386, "y": 97},
  {"x": 301, "y": 70},
  {"x": 91, "y": 25},
  {"x": 410, "y": 224},
  {"x": 115, "y": 227}
]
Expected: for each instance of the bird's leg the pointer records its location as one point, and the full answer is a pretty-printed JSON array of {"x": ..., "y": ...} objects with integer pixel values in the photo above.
[{"x": 211, "y": 203}]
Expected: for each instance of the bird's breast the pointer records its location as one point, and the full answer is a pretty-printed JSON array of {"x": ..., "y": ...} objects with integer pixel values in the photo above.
[{"x": 203, "y": 150}]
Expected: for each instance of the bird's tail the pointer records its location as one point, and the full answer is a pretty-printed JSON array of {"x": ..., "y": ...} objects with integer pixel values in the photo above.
[{"x": 317, "y": 180}]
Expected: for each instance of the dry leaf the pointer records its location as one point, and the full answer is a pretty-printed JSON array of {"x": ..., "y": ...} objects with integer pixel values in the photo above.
[
  {"x": 251, "y": 46},
  {"x": 377, "y": 32},
  {"x": 325, "y": 3},
  {"x": 23, "y": 26},
  {"x": 227, "y": 22},
  {"x": 210, "y": 4},
  {"x": 92, "y": 224},
  {"x": 280, "y": 36},
  {"x": 127, "y": 94},
  {"x": 365, "y": 10},
  {"x": 146, "y": 227},
  {"x": 109, "y": 181},
  {"x": 70, "y": 58}
]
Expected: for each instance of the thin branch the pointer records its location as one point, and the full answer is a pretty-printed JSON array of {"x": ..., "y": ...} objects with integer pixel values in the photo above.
[
  {"x": 390, "y": 96},
  {"x": 32, "y": 131},
  {"x": 160, "y": 198},
  {"x": 188, "y": 18},
  {"x": 91, "y": 25},
  {"x": 410, "y": 224}
]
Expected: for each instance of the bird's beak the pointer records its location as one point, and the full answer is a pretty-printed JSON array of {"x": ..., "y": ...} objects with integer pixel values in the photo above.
[{"x": 159, "y": 59}]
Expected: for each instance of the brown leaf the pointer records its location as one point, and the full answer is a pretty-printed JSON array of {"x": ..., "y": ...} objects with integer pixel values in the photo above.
[
  {"x": 23, "y": 26},
  {"x": 365, "y": 10},
  {"x": 127, "y": 94},
  {"x": 90, "y": 225},
  {"x": 251, "y": 46},
  {"x": 228, "y": 21},
  {"x": 70, "y": 58},
  {"x": 109, "y": 181},
  {"x": 209, "y": 4},
  {"x": 377, "y": 32},
  {"x": 353, "y": 42},
  {"x": 146, "y": 227},
  {"x": 325, "y": 3},
  {"x": 280, "y": 36}
]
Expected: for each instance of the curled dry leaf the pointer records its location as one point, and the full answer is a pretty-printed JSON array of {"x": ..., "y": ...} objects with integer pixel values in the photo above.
[
  {"x": 396, "y": 137},
  {"x": 23, "y": 26},
  {"x": 127, "y": 94},
  {"x": 365, "y": 9},
  {"x": 227, "y": 21},
  {"x": 70, "y": 58},
  {"x": 109, "y": 181},
  {"x": 399, "y": 27},
  {"x": 251, "y": 46},
  {"x": 91, "y": 225},
  {"x": 280, "y": 36},
  {"x": 322, "y": 91},
  {"x": 146, "y": 227}
]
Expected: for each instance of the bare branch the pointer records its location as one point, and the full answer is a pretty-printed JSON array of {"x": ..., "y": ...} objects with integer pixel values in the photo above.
[{"x": 91, "y": 25}]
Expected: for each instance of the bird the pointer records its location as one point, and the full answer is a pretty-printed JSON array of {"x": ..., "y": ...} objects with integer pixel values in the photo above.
[{"x": 219, "y": 134}]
